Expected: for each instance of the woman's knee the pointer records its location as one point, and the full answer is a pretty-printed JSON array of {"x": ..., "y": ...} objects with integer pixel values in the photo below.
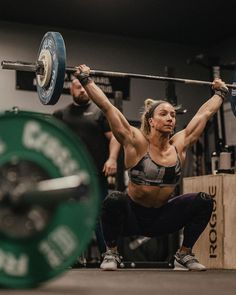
[{"x": 204, "y": 201}]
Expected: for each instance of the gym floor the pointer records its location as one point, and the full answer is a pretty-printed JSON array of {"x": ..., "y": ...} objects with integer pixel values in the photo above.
[{"x": 137, "y": 281}]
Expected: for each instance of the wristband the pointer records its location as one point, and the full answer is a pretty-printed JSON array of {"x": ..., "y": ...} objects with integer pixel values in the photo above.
[
  {"x": 222, "y": 92},
  {"x": 84, "y": 78}
]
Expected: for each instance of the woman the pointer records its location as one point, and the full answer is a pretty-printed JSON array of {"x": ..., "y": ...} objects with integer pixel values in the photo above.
[{"x": 154, "y": 159}]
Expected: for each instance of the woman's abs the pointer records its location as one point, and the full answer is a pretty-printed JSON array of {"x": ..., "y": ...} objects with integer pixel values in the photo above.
[{"x": 150, "y": 196}]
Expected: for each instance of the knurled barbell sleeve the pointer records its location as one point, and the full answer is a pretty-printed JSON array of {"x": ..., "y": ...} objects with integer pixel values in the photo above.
[{"x": 53, "y": 191}]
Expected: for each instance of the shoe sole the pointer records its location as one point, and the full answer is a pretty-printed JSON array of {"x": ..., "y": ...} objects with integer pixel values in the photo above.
[
  {"x": 180, "y": 267},
  {"x": 108, "y": 267}
]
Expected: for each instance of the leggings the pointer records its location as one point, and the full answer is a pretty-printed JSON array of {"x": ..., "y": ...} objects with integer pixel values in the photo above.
[
  {"x": 122, "y": 217},
  {"x": 98, "y": 230}
]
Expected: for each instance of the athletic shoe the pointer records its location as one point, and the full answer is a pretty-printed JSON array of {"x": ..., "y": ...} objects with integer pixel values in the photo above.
[
  {"x": 111, "y": 260},
  {"x": 187, "y": 262}
]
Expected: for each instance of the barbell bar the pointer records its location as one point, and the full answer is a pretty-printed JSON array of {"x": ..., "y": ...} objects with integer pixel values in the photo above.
[
  {"x": 50, "y": 68},
  {"x": 38, "y": 68}
]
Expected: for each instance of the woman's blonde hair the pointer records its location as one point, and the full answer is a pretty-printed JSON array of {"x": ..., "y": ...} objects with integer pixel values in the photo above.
[{"x": 149, "y": 108}]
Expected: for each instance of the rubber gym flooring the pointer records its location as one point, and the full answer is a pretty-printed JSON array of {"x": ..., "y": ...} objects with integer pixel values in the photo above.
[{"x": 137, "y": 281}]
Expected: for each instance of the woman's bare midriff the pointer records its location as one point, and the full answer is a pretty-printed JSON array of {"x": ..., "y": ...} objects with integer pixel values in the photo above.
[{"x": 149, "y": 196}]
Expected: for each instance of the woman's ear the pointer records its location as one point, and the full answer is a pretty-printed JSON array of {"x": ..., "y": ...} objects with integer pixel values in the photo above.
[{"x": 150, "y": 121}]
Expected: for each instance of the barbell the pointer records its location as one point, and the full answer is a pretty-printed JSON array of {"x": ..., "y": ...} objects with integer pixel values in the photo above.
[
  {"x": 50, "y": 68},
  {"x": 49, "y": 198}
]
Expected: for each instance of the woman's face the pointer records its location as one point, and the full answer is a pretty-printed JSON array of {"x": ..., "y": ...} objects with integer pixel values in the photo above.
[{"x": 164, "y": 118}]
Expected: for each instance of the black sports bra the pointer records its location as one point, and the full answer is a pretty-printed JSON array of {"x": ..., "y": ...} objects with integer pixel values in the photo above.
[{"x": 147, "y": 172}]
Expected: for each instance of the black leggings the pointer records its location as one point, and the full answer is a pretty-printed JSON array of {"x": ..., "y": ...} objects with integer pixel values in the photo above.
[{"x": 123, "y": 217}]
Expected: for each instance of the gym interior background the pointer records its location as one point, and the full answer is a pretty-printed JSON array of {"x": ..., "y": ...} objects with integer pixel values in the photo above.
[
  {"x": 124, "y": 36},
  {"x": 128, "y": 36}
]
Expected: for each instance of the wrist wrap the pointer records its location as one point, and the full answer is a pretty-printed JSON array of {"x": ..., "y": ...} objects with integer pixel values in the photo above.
[
  {"x": 84, "y": 78},
  {"x": 222, "y": 92}
]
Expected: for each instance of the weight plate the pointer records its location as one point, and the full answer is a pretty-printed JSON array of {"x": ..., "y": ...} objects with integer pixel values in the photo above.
[
  {"x": 19, "y": 220},
  {"x": 46, "y": 58},
  {"x": 42, "y": 147},
  {"x": 53, "y": 43}
]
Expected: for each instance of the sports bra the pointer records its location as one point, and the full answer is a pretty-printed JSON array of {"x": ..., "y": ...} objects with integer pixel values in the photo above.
[{"x": 147, "y": 172}]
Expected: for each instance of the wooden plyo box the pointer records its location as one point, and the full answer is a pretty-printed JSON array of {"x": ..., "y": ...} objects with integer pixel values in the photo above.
[{"x": 216, "y": 247}]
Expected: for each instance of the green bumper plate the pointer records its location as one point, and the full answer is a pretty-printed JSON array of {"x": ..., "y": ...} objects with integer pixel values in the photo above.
[{"x": 26, "y": 261}]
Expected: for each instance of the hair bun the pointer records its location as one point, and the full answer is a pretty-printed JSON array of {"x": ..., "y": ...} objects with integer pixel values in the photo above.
[{"x": 148, "y": 103}]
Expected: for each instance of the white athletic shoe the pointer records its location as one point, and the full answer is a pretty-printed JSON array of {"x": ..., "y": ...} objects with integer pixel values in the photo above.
[
  {"x": 110, "y": 261},
  {"x": 187, "y": 262}
]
